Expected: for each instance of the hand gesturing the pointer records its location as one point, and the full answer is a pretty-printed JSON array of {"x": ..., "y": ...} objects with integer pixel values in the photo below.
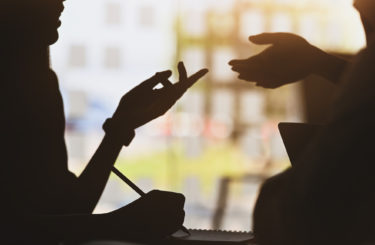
[
  {"x": 145, "y": 103},
  {"x": 289, "y": 59}
]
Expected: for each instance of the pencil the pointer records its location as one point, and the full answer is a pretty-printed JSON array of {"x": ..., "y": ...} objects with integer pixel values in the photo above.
[
  {"x": 137, "y": 189},
  {"x": 128, "y": 181}
]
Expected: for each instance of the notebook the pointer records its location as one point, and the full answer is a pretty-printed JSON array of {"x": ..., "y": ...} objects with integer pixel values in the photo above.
[{"x": 207, "y": 237}]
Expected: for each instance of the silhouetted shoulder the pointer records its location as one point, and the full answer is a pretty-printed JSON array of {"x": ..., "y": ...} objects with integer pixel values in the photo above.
[{"x": 358, "y": 86}]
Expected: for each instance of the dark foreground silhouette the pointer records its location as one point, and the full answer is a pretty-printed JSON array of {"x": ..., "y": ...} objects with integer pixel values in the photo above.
[
  {"x": 329, "y": 196},
  {"x": 41, "y": 201}
]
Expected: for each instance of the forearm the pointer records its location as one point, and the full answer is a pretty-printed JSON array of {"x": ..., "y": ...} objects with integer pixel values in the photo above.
[
  {"x": 51, "y": 229},
  {"x": 92, "y": 181},
  {"x": 329, "y": 66}
]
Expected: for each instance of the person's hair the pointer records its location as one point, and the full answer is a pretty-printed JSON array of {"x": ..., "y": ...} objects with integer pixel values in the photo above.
[{"x": 15, "y": 35}]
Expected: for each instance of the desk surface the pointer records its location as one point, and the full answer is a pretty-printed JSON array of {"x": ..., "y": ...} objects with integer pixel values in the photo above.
[
  {"x": 122, "y": 243},
  {"x": 111, "y": 243}
]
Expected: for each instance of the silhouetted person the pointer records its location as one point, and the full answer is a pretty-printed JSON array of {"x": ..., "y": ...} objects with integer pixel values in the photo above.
[
  {"x": 329, "y": 196},
  {"x": 41, "y": 201}
]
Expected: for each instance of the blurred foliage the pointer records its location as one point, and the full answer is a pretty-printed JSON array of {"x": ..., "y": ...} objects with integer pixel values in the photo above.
[{"x": 169, "y": 168}]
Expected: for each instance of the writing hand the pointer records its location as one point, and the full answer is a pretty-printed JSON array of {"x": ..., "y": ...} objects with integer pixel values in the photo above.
[
  {"x": 155, "y": 215},
  {"x": 290, "y": 58}
]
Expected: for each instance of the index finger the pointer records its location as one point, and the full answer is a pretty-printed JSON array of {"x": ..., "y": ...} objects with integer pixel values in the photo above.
[
  {"x": 268, "y": 38},
  {"x": 193, "y": 79},
  {"x": 236, "y": 62}
]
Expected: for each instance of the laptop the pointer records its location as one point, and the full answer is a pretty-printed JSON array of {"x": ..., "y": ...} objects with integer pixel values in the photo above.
[{"x": 296, "y": 137}]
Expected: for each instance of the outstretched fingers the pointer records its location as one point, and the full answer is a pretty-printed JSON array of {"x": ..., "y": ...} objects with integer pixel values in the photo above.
[
  {"x": 267, "y": 38},
  {"x": 240, "y": 68},
  {"x": 190, "y": 81},
  {"x": 182, "y": 71},
  {"x": 236, "y": 62},
  {"x": 159, "y": 77},
  {"x": 168, "y": 96},
  {"x": 182, "y": 76}
]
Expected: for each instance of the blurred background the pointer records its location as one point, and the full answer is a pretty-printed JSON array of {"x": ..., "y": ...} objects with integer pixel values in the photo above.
[{"x": 221, "y": 140}]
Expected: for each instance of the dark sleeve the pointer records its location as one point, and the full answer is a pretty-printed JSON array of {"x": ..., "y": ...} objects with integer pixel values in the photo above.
[
  {"x": 328, "y": 198},
  {"x": 36, "y": 178},
  {"x": 334, "y": 183}
]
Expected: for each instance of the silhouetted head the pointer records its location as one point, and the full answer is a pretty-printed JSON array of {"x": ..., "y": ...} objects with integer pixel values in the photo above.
[
  {"x": 32, "y": 21},
  {"x": 367, "y": 10}
]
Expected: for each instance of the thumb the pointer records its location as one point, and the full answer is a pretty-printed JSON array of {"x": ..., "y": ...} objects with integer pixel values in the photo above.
[{"x": 266, "y": 38}]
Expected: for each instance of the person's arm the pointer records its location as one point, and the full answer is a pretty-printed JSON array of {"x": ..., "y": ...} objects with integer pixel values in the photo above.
[
  {"x": 289, "y": 59},
  {"x": 139, "y": 106},
  {"x": 93, "y": 179},
  {"x": 329, "y": 66},
  {"x": 52, "y": 229},
  {"x": 154, "y": 216},
  {"x": 328, "y": 197}
]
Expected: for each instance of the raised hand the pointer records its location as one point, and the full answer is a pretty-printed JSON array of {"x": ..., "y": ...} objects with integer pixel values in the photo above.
[
  {"x": 144, "y": 103},
  {"x": 290, "y": 58},
  {"x": 155, "y": 215}
]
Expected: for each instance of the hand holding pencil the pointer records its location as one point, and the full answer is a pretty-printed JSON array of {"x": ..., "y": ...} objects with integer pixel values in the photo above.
[{"x": 156, "y": 214}]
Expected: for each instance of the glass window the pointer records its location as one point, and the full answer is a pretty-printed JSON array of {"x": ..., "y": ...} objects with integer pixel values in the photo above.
[
  {"x": 221, "y": 121},
  {"x": 113, "y": 14},
  {"x": 194, "y": 58},
  {"x": 223, "y": 105},
  {"x": 281, "y": 22},
  {"x": 251, "y": 143},
  {"x": 223, "y": 24},
  {"x": 220, "y": 70},
  {"x": 334, "y": 34},
  {"x": 309, "y": 27},
  {"x": 252, "y": 23},
  {"x": 252, "y": 107},
  {"x": 112, "y": 57},
  {"x": 78, "y": 104},
  {"x": 77, "y": 56},
  {"x": 195, "y": 23},
  {"x": 214, "y": 131},
  {"x": 146, "y": 16},
  {"x": 193, "y": 102}
]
